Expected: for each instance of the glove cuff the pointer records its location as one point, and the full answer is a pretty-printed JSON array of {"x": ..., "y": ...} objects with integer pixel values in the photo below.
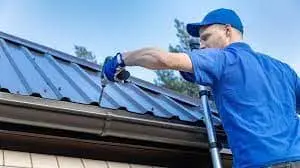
[
  {"x": 120, "y": 59},
  {"x": 188, "y": 76}
]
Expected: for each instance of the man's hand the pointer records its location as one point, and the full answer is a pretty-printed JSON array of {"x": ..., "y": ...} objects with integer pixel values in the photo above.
[{"x": 114, "y": 68}]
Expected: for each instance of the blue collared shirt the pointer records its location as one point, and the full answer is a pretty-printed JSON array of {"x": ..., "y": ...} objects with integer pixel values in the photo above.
[{"x": 256, "y": 99}]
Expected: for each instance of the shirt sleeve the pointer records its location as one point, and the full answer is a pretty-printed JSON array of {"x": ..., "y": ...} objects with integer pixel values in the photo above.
[
  {"x": 208, "y": 65},
  {"x": 298, "y": 93}
]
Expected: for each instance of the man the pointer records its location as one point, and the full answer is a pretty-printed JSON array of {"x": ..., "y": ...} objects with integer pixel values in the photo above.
[{"x": 254, "y": 93}]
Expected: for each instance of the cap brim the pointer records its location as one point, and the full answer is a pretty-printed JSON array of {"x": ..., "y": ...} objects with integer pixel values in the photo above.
[{"x": 193, "y": 28}]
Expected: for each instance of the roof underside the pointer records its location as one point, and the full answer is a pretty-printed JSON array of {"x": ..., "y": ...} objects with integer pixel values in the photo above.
[{"x": 31, "y": 69}]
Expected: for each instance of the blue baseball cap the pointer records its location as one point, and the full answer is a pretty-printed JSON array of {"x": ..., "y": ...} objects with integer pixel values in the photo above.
[{"x": 218, "y": 16}]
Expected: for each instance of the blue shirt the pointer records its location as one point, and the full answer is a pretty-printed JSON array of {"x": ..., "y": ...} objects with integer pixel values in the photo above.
[{"x": 256, "y": 99}]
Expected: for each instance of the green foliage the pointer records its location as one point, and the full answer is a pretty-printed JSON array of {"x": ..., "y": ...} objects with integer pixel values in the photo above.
[
  {"x": 171, "y": 79},
  {"x": 83, "y": 53},
  {"x": 166, "y": 78}
]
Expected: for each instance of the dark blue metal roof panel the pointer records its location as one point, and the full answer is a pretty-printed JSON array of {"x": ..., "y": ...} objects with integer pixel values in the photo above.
[
  {"x": 31, "y": 69},
  {"x": 9, "y": 75}
]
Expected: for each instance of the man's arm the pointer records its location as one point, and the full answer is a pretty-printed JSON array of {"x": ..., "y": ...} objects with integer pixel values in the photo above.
[
  {"x": 203, "y": 66},
  {"x": 154, "y": 58}
]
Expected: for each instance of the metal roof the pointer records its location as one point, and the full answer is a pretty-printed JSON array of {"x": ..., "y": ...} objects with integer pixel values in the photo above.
[{"x": 31, "y": 69}]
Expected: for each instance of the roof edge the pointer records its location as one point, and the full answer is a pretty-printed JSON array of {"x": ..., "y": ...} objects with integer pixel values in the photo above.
[{"x": 91, "y": 119}]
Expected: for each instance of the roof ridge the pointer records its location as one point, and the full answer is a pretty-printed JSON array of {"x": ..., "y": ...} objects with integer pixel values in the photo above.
[{"x": 49, "y": 50}]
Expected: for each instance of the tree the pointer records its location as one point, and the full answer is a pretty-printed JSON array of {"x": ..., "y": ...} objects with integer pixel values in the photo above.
[
  {"x": 83, "y": 53},
  {"x": 170, "y": 79},
  {"x": 166, "y": 78}
]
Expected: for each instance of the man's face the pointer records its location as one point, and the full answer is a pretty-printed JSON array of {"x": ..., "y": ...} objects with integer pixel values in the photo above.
[{"x": 213, "y": 36}]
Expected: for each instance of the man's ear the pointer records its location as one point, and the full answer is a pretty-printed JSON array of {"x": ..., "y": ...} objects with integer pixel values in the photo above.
[{"x": 228, "y": 30}]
